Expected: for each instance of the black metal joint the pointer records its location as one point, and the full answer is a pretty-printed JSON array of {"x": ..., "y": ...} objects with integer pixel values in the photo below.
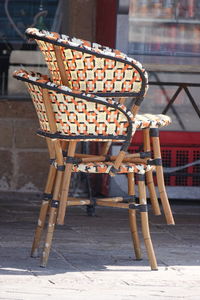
[
  {"x": 60, "y": 168},
  {"x": 143, "y": 207},
  {"x": 55, "y": 203},
  {"x": 139, "y": 101},
  {"x": 154, "y": 132},
  {"x": 128, "y": 199},
  {"x": 93, "y": 201},
  {"x": 46, "y": 196},
  {"x": 140, "y": 207},
  {"x": 51, "y": 161},
  {"x": 155, "y": 162},
  {"x": 146, "y": 154},
  {"x": 134, "y": 206},
  {"x": 107, "y": 157},
  {"x": 64, "y": 153},
  {"x": 72, "y": 160},
  {"x": 132, "y": 199},
  {"x": 113, "y": 171},
  {"x": 141, "y": 177}
]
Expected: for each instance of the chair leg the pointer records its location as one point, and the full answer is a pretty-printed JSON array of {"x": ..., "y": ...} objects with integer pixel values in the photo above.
[
  {"x": 65, "y": 185},
  {"x": 145, "y": 223},
  {"x": 154, "y": 133},
  {"x": 49, "y": 235},
  {"x": 133, "y": 219},
  {"x": 47, "y": 196},
  {"x": 91, "y": 206},
  {"x": 105, "y": 148},
  {"x": 43, "y": 211},
  {"x": 149, "y": 175},
  {"x": 52, "y": 220},
  {"x": 134, "y": 233}
]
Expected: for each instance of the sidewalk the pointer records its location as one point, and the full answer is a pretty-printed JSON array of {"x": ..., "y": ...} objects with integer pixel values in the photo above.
[{"x": 92, "y": 257}]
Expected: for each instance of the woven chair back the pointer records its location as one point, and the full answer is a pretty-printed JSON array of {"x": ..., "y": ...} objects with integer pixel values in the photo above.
[
  {"x": 90, "y": 67},
  {"x": 76, "y": 115}
]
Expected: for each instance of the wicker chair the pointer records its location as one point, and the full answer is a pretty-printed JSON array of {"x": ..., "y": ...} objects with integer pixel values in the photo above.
[
  {"x": 92, "y": 68},
  {"x": 66, "y": 115}
]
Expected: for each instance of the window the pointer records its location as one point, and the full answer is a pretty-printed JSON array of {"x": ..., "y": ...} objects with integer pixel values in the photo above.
[
  {"x": 164, "y": 35},
  {"x": 167, "y": 27},
  {"x": 15, "y": 50}
]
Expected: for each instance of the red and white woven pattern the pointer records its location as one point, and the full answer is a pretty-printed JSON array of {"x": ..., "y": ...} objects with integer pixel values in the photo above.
[
  {"x": 87, "y": 72},
  {"x": 76, "y": 113},
  {"x": 50, "y": 58},
  {"x": 151, "y": 121},
  {"x": 90, "y": 67},
  {"x": 104, "y": 167}
]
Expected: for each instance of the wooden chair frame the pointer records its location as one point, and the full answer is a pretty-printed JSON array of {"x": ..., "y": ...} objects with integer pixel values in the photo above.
[
  {"x": 58, "y": 183},
  {"x": 56, "y": 44}
]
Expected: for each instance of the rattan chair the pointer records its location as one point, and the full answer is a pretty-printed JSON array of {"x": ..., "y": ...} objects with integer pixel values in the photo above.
[
  {"x": 92, "y": 68},
  {"x": 66, "y": 115}
]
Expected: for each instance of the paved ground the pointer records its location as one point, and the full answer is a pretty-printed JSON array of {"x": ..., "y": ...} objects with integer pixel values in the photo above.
[{"x": 92, "y": 257}]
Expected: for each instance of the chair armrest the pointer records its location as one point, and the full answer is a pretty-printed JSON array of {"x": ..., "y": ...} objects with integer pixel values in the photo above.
[{"x": 121, "y": 119}]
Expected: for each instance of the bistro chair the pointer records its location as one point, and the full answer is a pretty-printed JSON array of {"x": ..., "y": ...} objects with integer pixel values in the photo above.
[
  {"x": 68, "y": 115},
  {"x": 92, "y": 68}
]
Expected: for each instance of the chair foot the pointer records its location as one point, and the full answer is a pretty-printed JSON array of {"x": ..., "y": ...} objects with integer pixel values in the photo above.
[
  {"x": 147, "y": 241},
  {"x": 166, "y": 206},
  {"x": 50, "y": 232},
  {"x": 35, "y": 253},
  {"x": 44, "y": 258},
  {"x": 145, "y": 223},
  {"x": 90, "y": 210},
  {"x": 39, "y": 228}
]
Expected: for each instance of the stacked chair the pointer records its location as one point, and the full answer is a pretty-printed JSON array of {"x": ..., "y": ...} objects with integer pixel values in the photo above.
[
  {"x": 84, "y": 101},
  {"x": 92, "y": 68}
]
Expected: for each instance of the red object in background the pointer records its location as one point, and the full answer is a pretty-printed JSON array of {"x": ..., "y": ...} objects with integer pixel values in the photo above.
[
  {"x": 106, "y": 21},
  {"x": 191, "y": 8},
  {"x": 178, "y": 148}
]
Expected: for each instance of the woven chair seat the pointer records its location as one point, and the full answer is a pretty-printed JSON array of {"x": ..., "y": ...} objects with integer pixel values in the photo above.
[
  {"x": 152, "y": 121},
  {"x": 104, "y": 167}
]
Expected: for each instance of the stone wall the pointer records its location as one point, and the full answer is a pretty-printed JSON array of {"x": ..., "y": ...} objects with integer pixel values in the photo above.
[{"x": 23, "y": 155}]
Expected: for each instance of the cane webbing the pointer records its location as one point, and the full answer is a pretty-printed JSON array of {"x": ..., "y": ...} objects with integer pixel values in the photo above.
[
  {"x": 105, "y": 167},
  {"x": 76, "y": 114},
  {"x": 151, "y": 121},
  {"x": 91, "y": 67},
  {"x": 87, "y": 72}
]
